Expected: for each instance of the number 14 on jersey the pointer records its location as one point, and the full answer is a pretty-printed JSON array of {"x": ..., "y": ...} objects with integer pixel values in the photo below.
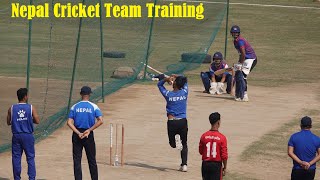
[{"x": 212, "y": 152}]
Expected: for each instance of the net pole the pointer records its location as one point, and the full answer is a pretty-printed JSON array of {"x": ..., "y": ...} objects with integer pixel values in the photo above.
[
  {"x": 101, "y": 53},
  {"x": 75, "y": 61},
  {"x": 226, "y": 35},
  {"x": 149, "y": 41},
  {"x": 29, "y": 50}
]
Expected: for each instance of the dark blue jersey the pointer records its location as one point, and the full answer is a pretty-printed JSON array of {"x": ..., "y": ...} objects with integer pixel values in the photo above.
[
  {"x": 21, "y": 118},
  {"x": 176, "y": 100},
  {"x": 84, "y": 114},
  {"x": 305, "y": 145}
]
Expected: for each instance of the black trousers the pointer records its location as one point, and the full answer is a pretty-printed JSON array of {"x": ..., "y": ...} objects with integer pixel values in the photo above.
[
  {"x": 90, "y": 147},
  {"x": 179, "y": 127},
  {"x": 211, "y": 170},
  {"x": 301, "y": 174}
]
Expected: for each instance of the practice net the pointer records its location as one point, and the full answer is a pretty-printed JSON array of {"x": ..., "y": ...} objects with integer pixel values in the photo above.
[{"x": 104, "y": 53}]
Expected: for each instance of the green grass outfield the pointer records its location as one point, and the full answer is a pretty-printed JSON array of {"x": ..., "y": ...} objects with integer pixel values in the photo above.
[
  {"x": 285, "y": 41},
  {"x": 267, "y": 148}
]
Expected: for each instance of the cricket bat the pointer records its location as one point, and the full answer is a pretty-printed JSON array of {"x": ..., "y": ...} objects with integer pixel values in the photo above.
[
  {"x": 155, "y": 70},
  {"x": 233, "y": 84}
]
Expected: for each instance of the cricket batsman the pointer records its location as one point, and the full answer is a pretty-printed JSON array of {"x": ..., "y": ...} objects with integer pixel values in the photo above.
[{"x": 247, "y": 61}]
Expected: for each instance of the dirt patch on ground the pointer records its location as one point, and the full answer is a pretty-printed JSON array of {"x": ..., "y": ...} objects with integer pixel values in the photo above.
[{"x": 148, "y": 155}]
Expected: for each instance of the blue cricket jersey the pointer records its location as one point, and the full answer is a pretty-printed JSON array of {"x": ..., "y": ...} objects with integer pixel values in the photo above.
[
  {"x": 84, "y": 114},
  {"x": 242, "y": 42},
  {"x": 305, "y": 145},
  {"x": 21, "y": 118},
  {"x": 176, "y": 100}
]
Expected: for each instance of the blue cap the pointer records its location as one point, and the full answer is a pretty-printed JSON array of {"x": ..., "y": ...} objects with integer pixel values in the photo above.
[
  {"x": 235, "y": 29},
  {"x": 85, "y": 90},
  {"x": 217, "y": 55},
  {"x": 306, "y": 121}
]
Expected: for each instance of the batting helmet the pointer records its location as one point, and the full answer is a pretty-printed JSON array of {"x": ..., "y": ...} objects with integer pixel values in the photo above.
[
  {"x": 217, "y": 55},
  {"x": 235, "y": 29}
]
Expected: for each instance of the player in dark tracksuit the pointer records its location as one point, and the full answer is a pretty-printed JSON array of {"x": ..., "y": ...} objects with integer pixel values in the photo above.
[
  {"x": 176, "y": 112},
  {"x": 214, "y": 151},
  {"x": 84, "y": 117},
  {"x": 21, "y": 117}
]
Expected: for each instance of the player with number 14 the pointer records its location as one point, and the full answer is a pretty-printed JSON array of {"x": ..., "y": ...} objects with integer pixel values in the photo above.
[{"x": 214, "y": 151}]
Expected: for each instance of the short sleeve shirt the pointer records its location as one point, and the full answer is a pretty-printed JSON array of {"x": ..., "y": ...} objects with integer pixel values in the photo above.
[{"x": 84, "y": 114}]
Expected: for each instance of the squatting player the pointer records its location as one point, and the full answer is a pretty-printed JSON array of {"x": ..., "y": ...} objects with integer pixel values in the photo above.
[
  {"x": 176, "y": 112},
  {"x": 216, "y": 85},
  {"x": 214, "y": 151},
  {"x": 247, "y": 56}
]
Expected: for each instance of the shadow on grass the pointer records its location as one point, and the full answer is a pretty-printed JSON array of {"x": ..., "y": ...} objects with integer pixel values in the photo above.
[{"x": 147, "y": 166}]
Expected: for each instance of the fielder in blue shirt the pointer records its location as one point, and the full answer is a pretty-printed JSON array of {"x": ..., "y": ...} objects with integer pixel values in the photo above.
[
  {"x": 177, "y": 125},
  {"x": 304, "y": 149},
  {"x": 82, "y": 121},
  {"x": 21, "y": 117}
]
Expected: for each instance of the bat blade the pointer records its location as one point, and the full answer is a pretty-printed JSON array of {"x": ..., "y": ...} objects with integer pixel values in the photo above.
[{"x": 155, "y": 70}]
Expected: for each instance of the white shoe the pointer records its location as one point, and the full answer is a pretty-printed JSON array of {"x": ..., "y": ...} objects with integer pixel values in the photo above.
[
  {"x": 178, "y": 142},
  {"x": 245, "y": 97},
  {"x": 183, "y": 168},
  {"x": 237, "y": 99}
]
